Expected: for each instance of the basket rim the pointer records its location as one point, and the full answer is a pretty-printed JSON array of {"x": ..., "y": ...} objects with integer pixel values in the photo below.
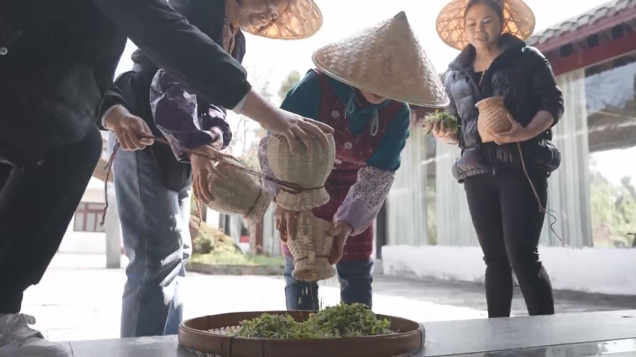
[
  {"x": 497, "y": 97},
  {"x": 192, "y": 335}
]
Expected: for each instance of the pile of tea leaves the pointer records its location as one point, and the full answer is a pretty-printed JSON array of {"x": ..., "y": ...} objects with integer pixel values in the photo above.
[
  {"x": 450, "y": 121},
  {"x": 355, "y": 320}
]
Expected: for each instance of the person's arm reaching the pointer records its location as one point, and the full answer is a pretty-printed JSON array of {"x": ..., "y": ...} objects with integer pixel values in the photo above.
[
  {"x": 180, "y": 48},
  {"x": 303, "y": 99},
  {"x": 365, "y": 198},
  {"x": 175, "y": 45},
  {"x": 115, "y": 114}
]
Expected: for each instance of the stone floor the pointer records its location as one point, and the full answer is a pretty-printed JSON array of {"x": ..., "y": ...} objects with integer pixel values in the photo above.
[{"x": 79, "y": 300}]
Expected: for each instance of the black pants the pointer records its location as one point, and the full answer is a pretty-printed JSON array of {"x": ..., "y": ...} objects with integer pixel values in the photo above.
[
  {"x": 508, "y": 222},
  {"x": 36, "y": 207}
]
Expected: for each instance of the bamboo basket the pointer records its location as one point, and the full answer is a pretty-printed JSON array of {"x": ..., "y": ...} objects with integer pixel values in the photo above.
[
  {"x": 310, "y": 246},
  {"x": 207, "y": 336},
  {"x": 308, "y": 172},
  {"x": 493, "y": 118},
  {"x": 240, "y": 192}
]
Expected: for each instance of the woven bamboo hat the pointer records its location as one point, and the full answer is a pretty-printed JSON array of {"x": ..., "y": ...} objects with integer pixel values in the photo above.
[
  {"x": 519, "y": 21},
  {"x": 301, "y": 19},
  {"x": 386, "y": 60}
]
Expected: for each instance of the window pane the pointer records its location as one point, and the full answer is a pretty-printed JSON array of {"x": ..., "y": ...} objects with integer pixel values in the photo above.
[
  {"x": 90, "y": 222},
  {"x": 79, "y": 222},
  {"x": 96, "y": 206}
]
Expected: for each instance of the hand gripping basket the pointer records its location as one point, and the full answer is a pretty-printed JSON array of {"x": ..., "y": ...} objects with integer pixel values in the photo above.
[
  {"x": 310, "y": 246},
  {"x": 307, "y": 172},
  {"x": 493, "y": 118},
  {"x": 240, "y": 192},
  {"x": 207, "y": 336}
]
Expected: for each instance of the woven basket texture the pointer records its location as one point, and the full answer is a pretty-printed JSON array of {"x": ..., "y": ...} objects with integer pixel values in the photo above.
[
  {"x": 302, "y": 19},
  {"x": 308, "y": 172},
  {"x": 310, "y": 246},
  {"x": 239, "y": 192},
  {"x": 493, "y": 118},
  {"x": 386, "y": 59}
]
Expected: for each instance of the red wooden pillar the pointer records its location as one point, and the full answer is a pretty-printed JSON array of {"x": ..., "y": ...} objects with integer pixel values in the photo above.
[{"x": 256, "y": 237}]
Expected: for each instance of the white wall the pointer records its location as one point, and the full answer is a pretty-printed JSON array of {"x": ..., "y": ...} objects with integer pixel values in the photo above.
[{"x": 593, "y": 270}]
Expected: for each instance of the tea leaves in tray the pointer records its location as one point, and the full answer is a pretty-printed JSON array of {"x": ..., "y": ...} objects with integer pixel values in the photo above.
[
  {"x": 355, "y": 320},
  {"x": 276, "y": 326}
]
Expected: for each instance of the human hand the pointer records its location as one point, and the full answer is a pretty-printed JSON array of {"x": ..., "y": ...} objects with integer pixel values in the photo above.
[
  {"x": 217, "y": 137},
  {"x": 284, "y": 123},
  {"x": 286, "y": 222},
  {"x": 340, "y": 232},
  {"x": 446, "y": 135},
  {"x": 294, "y": 127},
  {"x": 517, "y": 133},
  {"x": 131, "y": 131},
  {"x": 205, "y": 171}
]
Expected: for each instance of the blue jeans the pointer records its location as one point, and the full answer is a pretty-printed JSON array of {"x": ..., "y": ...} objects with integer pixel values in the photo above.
[
  {"x": 355, "y": 286},
  {"x": 155, "y": 229}
]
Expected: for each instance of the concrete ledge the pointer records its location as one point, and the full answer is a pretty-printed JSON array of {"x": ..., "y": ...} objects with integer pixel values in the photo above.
[{"x": 234, "y": 269}]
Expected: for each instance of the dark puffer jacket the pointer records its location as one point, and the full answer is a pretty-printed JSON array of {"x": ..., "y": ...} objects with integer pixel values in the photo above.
[{"x": 523, "y": 76}]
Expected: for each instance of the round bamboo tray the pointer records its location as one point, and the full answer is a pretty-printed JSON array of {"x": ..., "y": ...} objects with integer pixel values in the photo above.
[
  {"x": 493, "y": 118},
  {"x": 205, "y": 336}
]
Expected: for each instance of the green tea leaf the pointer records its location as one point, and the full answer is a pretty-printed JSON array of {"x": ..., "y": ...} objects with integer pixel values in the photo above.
[{"x": 355, "y": 320}]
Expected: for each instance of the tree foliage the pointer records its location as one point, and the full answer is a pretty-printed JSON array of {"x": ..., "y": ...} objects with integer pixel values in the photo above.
[
  {"x": 289, "y": 82},
  {"x": 247, "y": 133},
  {"x": 613, "y": 210}
]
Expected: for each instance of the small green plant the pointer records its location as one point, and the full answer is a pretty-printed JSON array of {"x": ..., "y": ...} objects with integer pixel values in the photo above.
[
  {"x": 341, "y": 321},
  {"x": 450, "y": 121}
]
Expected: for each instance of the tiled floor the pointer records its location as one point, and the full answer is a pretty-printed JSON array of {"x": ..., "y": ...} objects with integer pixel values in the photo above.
[{"x": 78, "y": 300}]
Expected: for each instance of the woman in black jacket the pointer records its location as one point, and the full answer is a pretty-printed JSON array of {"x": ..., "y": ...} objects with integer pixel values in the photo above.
[{"x": 501, "y": 178}]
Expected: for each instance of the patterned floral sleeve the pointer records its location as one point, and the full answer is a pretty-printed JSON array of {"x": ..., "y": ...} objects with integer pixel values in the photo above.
[
  {"x": 365, "y": 198},
  {"x": 265, "y": 169}
]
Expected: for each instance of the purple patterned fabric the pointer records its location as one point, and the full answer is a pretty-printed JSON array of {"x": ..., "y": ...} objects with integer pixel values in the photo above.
[
  {"x": 365, "y": 198},
  {"x": 215, "y": 117},
  {"x": 176, "y": 115}
]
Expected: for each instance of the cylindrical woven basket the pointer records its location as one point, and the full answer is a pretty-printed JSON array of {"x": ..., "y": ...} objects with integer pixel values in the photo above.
[
  {"x": 240, "y": 192},
  {"x": 206, "y": 336},
  {"x": 493, "y": 118},
  {"x": 308, "y": 172},
  {"x": 310, "y": 246}
]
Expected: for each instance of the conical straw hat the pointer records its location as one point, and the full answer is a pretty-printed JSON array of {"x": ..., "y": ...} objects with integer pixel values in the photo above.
[
  {"x": 386, "y": 60},
  {"x": 301, "y": 19},
  {"x": 518, "y": 20}
]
